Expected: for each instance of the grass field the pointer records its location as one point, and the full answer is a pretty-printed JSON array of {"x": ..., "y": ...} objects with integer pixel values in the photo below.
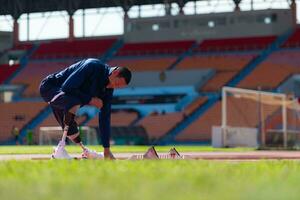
[
  {"x": 144, "y": 179},
  {"x": 179, "y": 179},
  {"x": 116, "y": 149}
]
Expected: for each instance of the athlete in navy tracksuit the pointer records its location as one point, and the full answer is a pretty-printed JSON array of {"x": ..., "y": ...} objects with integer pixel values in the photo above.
[{"x": 87, "y": 82}]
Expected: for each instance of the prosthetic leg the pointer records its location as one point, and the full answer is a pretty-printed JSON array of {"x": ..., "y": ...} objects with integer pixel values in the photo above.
[
  {"x": 60, "y": 151},
  {"x": 70, "y": 126}
]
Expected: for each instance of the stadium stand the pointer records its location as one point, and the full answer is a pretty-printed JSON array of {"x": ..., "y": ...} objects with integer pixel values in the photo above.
[
  {"x": 51, "y": 121},
  {"x": 200, "y": 129},
  {"x": 236, "y": 44},
  {"x": 155, "y": 48},
  {"x": 22, "y": 46},
  {"x": 34, "y": 72},
  {"x": 133, "y": 135},
  {"x": 144, "y": 64},
  {"x": 158, "y": 125},
  {"x": 6, "y": 71},
  {"x": 226, "y": 66},
  {"x": 17, "y": 114},
  {"x": 189, "y": 109},
  {"x": 156, "y": 56},
  {"x": 294, "y": 40},
  {"x": 73, "y": 49},
  {"x": 281, "y": 64},
  {"x": 218, "y": 81},
  {"x": 122, "y": 131},
  {"x": 118, "y": 118}
]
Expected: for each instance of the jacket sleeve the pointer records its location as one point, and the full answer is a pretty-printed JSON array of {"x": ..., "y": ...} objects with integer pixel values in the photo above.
[
  {"x": 73, "y": 82},
  {"x": 104, "y": 119}
]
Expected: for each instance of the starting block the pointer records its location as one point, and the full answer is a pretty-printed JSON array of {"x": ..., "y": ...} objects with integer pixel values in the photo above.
[{"x": 152, "y": 154}]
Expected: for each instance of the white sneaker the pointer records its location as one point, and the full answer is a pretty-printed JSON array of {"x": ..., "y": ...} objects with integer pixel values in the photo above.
[
  {"x": 91, "y": 154},
  {"x": 60, "y": 152}
]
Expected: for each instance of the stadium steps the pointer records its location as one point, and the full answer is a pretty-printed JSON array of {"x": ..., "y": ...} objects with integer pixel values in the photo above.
[
  {"x": 23, "y": 63},
  {"x": 169, "y": 138},
  {"x": 183, "y": 55},
  {"x": 110, "y": 53},
  {"x": 259, "y": 59},
  {"x": 32, "y": 124}
]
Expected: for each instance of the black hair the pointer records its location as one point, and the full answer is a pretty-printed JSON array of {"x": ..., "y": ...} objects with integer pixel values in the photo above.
[{"x": 125, "y": 73}]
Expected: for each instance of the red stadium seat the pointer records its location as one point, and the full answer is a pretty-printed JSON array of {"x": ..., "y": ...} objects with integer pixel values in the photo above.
[
  {"x": 155, "y": 48},
  {"x": 17, "y": 114},
  {"x": 293, "y": 40},
  {"x": 236, "y": 44},
  {"x": 73, "y": 49},
  {"x": 6, "y": 71}
]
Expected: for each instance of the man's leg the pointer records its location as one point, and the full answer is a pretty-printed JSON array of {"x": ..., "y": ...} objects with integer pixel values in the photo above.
[
  {"x": 71, "y": 129},
  {"x": 60, "y": 152},
  {"x": 68, "y": 106}
]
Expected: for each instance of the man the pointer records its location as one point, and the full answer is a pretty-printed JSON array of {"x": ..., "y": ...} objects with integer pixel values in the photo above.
[{"x": 87, "y": 82}]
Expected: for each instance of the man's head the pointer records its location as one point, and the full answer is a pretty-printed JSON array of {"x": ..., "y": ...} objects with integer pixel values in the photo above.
[{"x": 119, "y": 77}]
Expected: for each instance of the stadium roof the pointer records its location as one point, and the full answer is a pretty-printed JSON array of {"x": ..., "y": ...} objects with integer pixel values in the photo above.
[{"x": 16, "y": 8}]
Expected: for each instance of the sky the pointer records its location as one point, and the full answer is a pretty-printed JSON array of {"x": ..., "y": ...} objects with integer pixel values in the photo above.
[{"x": 101, "y": 22}]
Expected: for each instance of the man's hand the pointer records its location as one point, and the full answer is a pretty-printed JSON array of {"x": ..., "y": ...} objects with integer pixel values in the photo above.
[
  {"x": 108, "y": 154},
  {"x": 96, "y": 102}
]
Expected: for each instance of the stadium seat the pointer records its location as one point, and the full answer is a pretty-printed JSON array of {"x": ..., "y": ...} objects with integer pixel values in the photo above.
[
  {"x": 200, "y": 129},
  {"x": 189, "y": 109},
  {"x": 155, "y": 48},
  {"x": 293, "y": 40},
  {"x": 118, "y": 118},
  {"x": 144, "y": 64},
  {"x": 157, "y": 125},
  {"x": 34, "y": 72},
  {"x": 22, "y": 46},
  {"x": 6, "y": 71},
  {"x": 17, "y": 114},
  {"x": 236, "y": 44},
  {"x": 281, "y": 64},
  {"x": 73, "y": 49},
  {"x": 226, "y": 66}
]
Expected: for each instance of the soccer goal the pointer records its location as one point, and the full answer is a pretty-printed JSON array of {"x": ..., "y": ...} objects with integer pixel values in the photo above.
[
  {"x": 52, "y": 135},
  {"x": 270, "y": 118}
]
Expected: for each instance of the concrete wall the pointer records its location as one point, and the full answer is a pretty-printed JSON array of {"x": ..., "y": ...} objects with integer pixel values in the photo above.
[
  {"x": 6, "y": 41},
  {"x": 213, "y": 25}
]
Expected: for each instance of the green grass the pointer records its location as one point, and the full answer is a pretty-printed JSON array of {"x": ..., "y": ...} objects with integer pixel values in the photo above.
[
  {"x": 145, "y": 180},
  {"x": 116, "y": 149}
]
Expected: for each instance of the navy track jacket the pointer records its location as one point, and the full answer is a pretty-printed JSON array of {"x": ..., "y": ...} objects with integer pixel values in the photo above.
[{"x": 87, "y": 79}]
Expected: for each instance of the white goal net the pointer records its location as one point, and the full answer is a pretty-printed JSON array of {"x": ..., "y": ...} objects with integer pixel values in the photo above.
[
  {"x": 272, "y": 117},
  {"x": 52, "y": 135}
]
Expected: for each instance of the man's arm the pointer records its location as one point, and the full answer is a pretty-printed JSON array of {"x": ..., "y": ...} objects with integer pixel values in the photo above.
[
  {"x": 104, "y": 124},
  {"x": 74, "y": 81}
]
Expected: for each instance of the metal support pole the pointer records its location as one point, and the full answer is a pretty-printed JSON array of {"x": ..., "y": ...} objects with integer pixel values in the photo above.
[
  {"x": 16, "y": 32},
  {"x": 284, "y": 125},
  {"x": 224, "y": 115},
  {"x": 83, "y": 23},
  {"x": 28, "y": 27},
  {"x": 71, "y": 27}
]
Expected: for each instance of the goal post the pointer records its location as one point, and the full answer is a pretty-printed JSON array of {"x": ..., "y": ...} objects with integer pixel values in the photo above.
[
  {"x": 52, "y": 135},
  {"x": 273, "y": 118}
]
